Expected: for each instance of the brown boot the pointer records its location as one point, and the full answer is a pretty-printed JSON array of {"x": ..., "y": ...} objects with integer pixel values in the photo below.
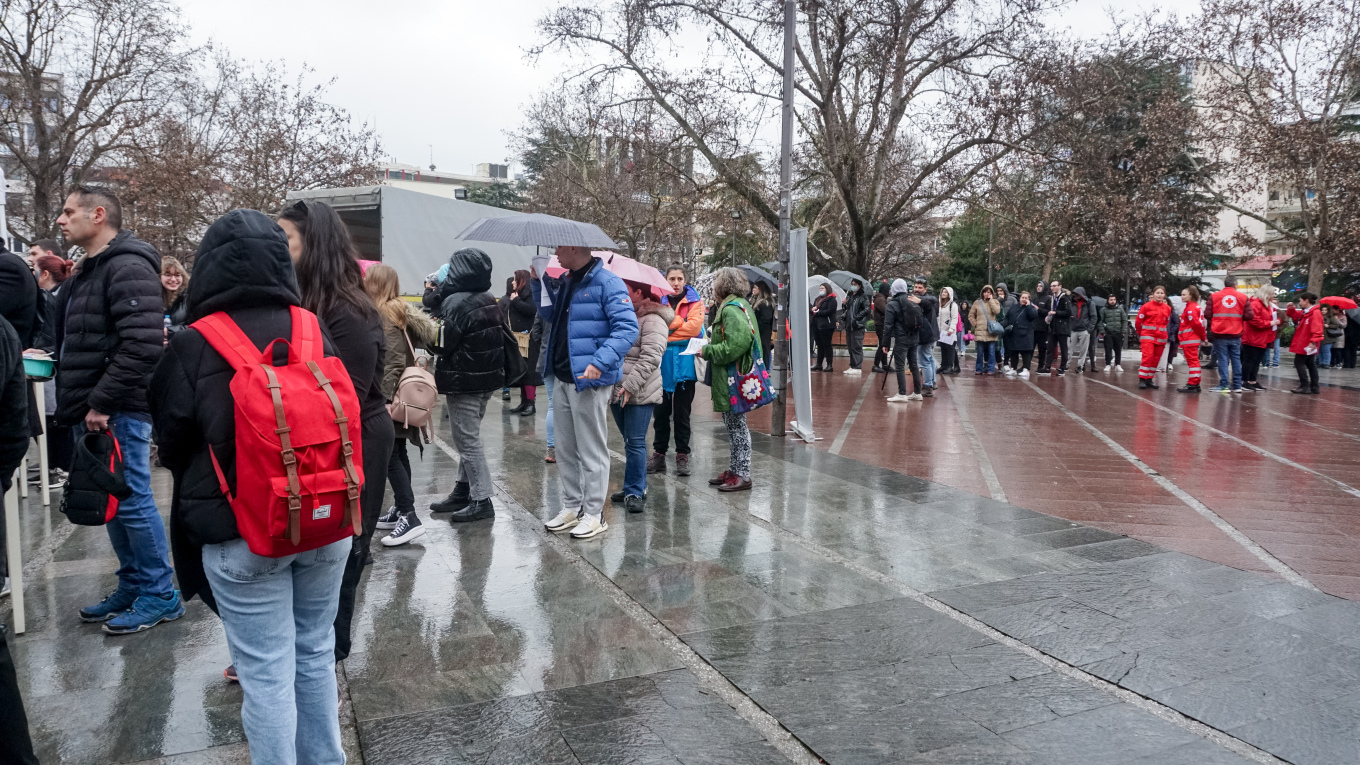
[
  {"x": 657, "y": 463},
  {"x": 681, "y": 464},
  {"x": 735, "y": 483}
]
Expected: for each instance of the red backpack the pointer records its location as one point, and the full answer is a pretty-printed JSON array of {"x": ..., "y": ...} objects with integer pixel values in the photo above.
[{"x": 297, "y": 482}]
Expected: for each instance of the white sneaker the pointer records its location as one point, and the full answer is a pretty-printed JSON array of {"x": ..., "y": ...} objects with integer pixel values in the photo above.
[
  {"x": 564, "y": 520},
  {"x": 1118, "y": 368},
  {"x": 853, "y": 372},
  {"x": 1009, "y": 372},
  {"x": 1024, "y": 374},
  {"x": 916, "y": 397},
  {"x": 1108, "y": 368},
  {"x": 1006, "y": 368},
  {"x": 589, "y": 526},
  {"x": 900, "y": 398}
]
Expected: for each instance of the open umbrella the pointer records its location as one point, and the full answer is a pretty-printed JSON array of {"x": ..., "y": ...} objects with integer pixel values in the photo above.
[
  {"x": 625, "y": 268},
  {"x": 1337, "y": 301},
  {"x": 754, "y": 274},
  {"x": 817, "y": 280},
  {"x": 772, "y": 266},
  {"x": 530, "y": 229},
  {"x": 842, "y": 279}
]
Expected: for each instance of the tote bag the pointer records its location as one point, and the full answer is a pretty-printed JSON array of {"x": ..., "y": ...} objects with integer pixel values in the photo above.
[{"x": 750, "y": 390}]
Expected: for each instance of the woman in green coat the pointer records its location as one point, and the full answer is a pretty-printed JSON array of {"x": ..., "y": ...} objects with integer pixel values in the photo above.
[{"x": 734, "y": 342}]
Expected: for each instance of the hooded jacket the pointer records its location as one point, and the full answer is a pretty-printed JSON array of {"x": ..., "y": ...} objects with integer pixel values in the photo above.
[
  {"x": 1008, "y": 301},
  {"x": 948, "y": 321},
  {"x": 1020, "y": 322},
  {"x": 642, "y": 364},
  {"x": 1083, "y": 312},
  {"x": 902, "y": 320},
  {"x": 1061, "y": 323},
  {"x": 472, "y": 359},
  {"x": 600, "y": 324},
  {"x": 881, "y": 305},
  {"x": 113, "y": 332},
  {"x": 243, "y": 268},
  {"x": 14, "y": 391},
  {"x": 930, "y": 319},
  {"x": 19, "y": 302},
  {"x": 979, "y": 314},
  {"x": 1043, "y": 303},
  {"x": 420, "y": 332}
]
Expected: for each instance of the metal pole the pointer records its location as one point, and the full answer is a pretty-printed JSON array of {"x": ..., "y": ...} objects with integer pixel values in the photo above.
[
  {"x": 734, "y": 246},
  {"x": 991, "y": 236},
  {"x": 778, "y": 417}
]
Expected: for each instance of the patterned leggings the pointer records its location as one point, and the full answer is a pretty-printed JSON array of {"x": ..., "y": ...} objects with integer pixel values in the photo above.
[{"x": 740, "y": 436}]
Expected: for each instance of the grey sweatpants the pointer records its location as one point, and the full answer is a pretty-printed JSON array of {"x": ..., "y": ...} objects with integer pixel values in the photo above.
[
  {"x": 465, "y": 425},
  {"x": 580, "y": 419},
  {"x": 1081, "y": 344}
]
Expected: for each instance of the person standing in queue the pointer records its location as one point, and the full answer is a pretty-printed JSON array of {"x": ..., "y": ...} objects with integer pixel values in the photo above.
[
  {"x": 1257, "y": 334},
  {"x": 1225, "y": 317},
  {"x": 881, "y": 361},
  {"x": 823, "y": 328},
  {"x": 1191, "y": 333},
  {"x": 1043, "y": 303},
  {"x": 1113, "y": 323},
  {"x": 332, "y": 287},
  {"x": 763, "y": 303},
  {"x": 522, "y": 313},
  {"x": 901, "y": 328},
  {"x": 638, "y": 391},
  {"x": 1307, "y": 342},
  {"x": 735, "y": 343},
  {"x": 948, "y": 325},
  {"x": 1152, "y": 326},
  {"x": 591, "y": 325},
  {"x": 678, "y": 376},
  {"x": 1020, "y": 322},
  {"x": 986, "y": 310},
  {"x": 854, "y": 320},
  {"x": 928, "y": 336}
]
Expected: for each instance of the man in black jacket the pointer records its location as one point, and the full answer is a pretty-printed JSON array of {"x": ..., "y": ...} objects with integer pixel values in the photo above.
[
  {"x": 902, "y": 327},
  {"x": 109, "y": 342},
  {"x": 854, "y": 320},
  {"x": 928, "y": 336},
  {"x": 1043, "y": 303},
  {"x": 471, "y": 367},
  {"x": 1059, "y": 329}
]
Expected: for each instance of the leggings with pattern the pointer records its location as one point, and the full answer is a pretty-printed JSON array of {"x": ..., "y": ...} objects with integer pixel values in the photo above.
[{"x": 740, "y": 436}]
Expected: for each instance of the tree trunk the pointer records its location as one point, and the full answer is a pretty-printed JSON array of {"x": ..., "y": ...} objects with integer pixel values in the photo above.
[
  {"x": 1317, "y": 269},
  {"x": 1050, "y": 255}
]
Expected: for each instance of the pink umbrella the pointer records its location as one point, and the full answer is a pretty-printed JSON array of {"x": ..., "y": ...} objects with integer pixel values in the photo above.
[
  {"x": 364, "y": 265},
  {"x": 625, "y": 268}
]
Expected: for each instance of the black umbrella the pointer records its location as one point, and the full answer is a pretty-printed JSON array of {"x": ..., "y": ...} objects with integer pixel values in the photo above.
[
  {"x": 530, "y": 229},
  {"x": 772, "y": 266},
  {"x": 754, "y": 274}
]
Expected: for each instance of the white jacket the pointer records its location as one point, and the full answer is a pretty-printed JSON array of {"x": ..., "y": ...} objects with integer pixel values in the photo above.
[{"x": 949, "y": 319}]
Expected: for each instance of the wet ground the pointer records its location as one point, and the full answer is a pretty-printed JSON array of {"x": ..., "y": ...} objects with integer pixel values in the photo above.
[{"x": 1060, "y": 572}]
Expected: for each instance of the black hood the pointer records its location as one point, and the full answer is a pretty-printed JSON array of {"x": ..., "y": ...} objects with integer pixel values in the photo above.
[
  {"x": 469, "y": 271},
  {"x": 123, "y": 243},
  {"x": 1041, "y": 288},
  {"x": 1080, "y": 292},
  {"x": 242, "y": 262},
  {"x": 1002, "y": 286}
]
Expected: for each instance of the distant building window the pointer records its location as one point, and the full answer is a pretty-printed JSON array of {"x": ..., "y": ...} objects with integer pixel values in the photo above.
[{"x": 1274, "y": 196}]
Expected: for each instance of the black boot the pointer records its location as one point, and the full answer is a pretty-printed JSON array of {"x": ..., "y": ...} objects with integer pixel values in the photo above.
[
  {"x": 1301, "y": 389},
  {"x": 523, "y": 404},
  {"x": 1188, "y": 389},
  {"x": 528, "y": 411},
  {"x": 476, "y": 510},
  {"x": 457, "y": 499},
  {"x": 1142, "y": 384}
]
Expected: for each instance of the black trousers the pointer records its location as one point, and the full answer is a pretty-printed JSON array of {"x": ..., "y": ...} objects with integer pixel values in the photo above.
[
  {"x": 15, "y": 746},
  {"x": 1307, "y": 367},
  {"x": 949, "y": 357},
  {"x": 824, "y": 354},
  {"x": 881, "y": 355},
  {"x": 1041, "y": 347},
  {"x": 399, "y": 476},
  {"x": 1114, "y": 347},
  {"x": 677, "y": 405},
  {"x": 1056, "y": 343},
  {"x": 379, "y": 436},
  {"x": 903, "y": 355},
  {"x": 1348, "y": 353},
  {"x": 1251, "y": 361},
  {"x": 61, "y": 446}
]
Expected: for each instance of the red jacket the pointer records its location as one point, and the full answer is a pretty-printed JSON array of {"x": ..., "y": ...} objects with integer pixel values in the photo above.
[
  {"x": 1153, "y": 321},
  {"x": 1307, "y": 329},
  {"x": 1225, "y": 312},
  {"x": 1192, "y": 325},
  {"x": 1260, "y": 329}
]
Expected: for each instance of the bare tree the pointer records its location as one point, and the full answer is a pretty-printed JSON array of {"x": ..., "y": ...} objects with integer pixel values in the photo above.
[
  {"x": 903, "y": 103},
  {"x": 1279, "y": 86},
  {"x": 76, "y": 78}
]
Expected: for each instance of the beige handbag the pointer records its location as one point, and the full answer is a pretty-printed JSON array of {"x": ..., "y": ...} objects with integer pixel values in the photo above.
[
  {"x": 413, "y": 402},
  {"x": 523, "y": 339}
]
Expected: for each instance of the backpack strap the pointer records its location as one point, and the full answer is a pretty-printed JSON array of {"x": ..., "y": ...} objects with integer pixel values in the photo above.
[
  {"x": 306, "y": 334},
  {"x": 227, "y": 339},
  {"x": 289, "y": 457},
  {"x": 347, "y": 449}
]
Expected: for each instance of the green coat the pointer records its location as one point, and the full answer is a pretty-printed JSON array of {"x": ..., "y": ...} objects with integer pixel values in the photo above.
[{"x": 733, "y": 343}]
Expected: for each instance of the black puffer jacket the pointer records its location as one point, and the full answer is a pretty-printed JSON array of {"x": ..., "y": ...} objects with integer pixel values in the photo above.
[
  {"x": 18, "y": 297},
  {"x": 902, "y": 321},
  {"x": 930, "y": 321},
  {"x": 243, "y": 268},
  {"x": 113, "y": 333},
  {"x": 13, "y": 404},
  {"x": 472, "y": 359}
]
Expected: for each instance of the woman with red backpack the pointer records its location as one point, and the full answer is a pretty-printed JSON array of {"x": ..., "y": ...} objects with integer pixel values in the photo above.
[{"x": 272, "y": 574}]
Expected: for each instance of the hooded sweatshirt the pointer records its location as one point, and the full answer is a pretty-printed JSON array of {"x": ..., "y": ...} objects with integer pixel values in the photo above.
[
  {"x": 949, "y": 317},
  {"x": 472, "y": 359}
]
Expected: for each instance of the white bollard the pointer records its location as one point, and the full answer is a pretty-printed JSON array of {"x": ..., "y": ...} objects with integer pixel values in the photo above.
[{"x": 15, "y": 552}]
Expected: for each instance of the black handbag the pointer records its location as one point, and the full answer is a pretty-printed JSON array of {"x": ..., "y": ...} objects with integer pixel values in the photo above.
[
  {"x": 516, "y": 365},
  {"x": 96, "y": 484}
]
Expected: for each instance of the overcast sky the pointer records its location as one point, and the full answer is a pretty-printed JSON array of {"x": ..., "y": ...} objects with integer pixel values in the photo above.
[{"x": 451, "y": 74}]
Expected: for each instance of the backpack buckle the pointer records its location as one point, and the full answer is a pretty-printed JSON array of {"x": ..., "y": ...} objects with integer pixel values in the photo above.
[
  {"x": 289, "y": 458},
  {"x": 294, "y": 503}
]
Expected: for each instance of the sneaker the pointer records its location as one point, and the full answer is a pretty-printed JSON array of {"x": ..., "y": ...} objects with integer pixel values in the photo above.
[
  {"x": 681, "y": 464},
  {"x": 117, "y": 602},
  {"x": 147, "y": 611},
  {"x": 617, "y": 497},
  {"x": 723, "y": 476},
  {"x": 852, "y": 372},
  {"x": 564, "y": 520},
  {"x": 1118, "y": 368},
  {"x": 407, "y": 528},
  {"x": 1235, "y": 390},
  {"x": 656, "y": 463},
  {"x": 915, "y": 397},
  {"x": 1108, "y": 368},
  {"x": 1188, "y": 389},
  {"x": 230, "y": 674},
  {"x": 927, "y": 392},
  {"x": 633, "y": 503},
  {"x": 1301, "y": 389},
  {"x": 900, "y": 398},
  {"x": 505, "y": 395},
  {"x": 457, "y": 499},
  {"x": 589, "y": 526},
  {"x": 551, "y": 457},
  {"x": 1010, "y": 372},
  {"x": 1220, "y": 389},
  {"x": 477, "y": 510},
  {"x": 57, "y": 477},
  {"x": 1024, "y": 374},
  {"x": 5, "y": 588},
  {"x": 735, "y": 483},
  {"x": 1006, "y": 368},
  {"x": 388, "y": 520}
]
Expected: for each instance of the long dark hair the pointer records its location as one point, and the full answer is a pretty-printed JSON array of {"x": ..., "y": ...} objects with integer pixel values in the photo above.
[{"x": 328, "y": 271}]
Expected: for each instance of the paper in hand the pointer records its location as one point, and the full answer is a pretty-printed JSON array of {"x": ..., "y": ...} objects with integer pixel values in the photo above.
[{"x": 696, "y": 344}]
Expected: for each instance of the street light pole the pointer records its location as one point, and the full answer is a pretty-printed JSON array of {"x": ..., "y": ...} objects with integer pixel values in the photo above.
[
  {"x": 736, "y": 216},
  {"x": 778, "y": 418}
]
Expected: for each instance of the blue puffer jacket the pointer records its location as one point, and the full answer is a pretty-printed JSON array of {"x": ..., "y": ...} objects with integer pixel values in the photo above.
[{"x": 601, "y": 325}]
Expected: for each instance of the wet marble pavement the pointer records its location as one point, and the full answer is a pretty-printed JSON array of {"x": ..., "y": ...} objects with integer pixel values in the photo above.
[{"x": 840, "y": 611}]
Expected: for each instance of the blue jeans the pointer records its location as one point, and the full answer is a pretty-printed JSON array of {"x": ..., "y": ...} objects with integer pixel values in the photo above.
[
  {"x": 1275, "y": 353},
  {"x": 548, "y": 380},
  {"x": 986, "y": 356},
  {"x": 137, "y": 532},
  {"x": 925, "y": 356},
  {"x": 633, "y": 421},
  {"x": 279, "y": 615},
  {"x": 1228, "y": 353},
  {"x": 1325, "y": 356}
]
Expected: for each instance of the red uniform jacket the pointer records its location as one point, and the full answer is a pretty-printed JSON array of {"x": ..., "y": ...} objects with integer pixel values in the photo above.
[
  {"x": 1260, "y": 329},
  {"x": 1152, "y": 321},
  {"x": 1307, "y": 329},
  {"x": 1192, "y": 325}
]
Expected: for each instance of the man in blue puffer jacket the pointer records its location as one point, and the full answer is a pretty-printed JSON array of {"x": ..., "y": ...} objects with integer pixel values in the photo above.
[{"x": 590, "y": 325}]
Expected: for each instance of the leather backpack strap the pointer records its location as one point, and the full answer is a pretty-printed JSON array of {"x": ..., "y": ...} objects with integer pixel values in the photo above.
[
  {"x": 346, "y": 448},
  {"x": 228, "y": 340},
  {"x": 289, "y": 457},
  {"x": 306, "y": 341}
]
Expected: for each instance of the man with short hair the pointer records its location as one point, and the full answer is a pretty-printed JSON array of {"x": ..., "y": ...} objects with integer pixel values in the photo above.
[
  {"x": 590, "y": 325},
  {"x": 1114, "y": 323},
  {"x": 1225, "y": 316},
  {"x": 928, "y": 336},
  {"x": 1059, "y": 321},
  {"x": 1083, "y": 323},
  {"x": 108, "y": 344},
  {"x": 45, "y": 247}
]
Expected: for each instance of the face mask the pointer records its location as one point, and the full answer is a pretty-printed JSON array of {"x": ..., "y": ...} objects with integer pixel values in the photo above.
[{"x": 853, "y": 288}]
